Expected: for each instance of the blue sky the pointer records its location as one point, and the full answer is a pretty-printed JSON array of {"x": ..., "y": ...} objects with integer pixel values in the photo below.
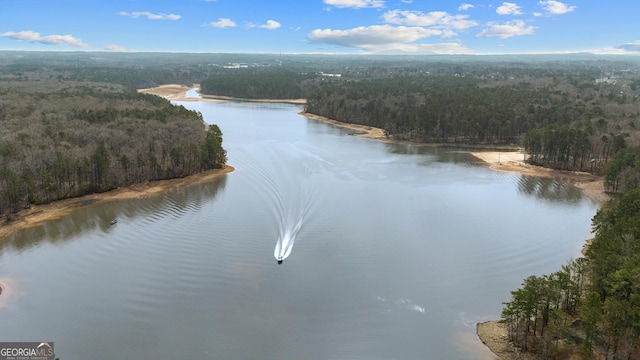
[{"x": 322, "y": 26}]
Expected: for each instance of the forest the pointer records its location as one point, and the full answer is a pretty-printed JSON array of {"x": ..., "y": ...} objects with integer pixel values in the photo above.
[
  {"x": 569, "y": 114},
  {"x": 572, "y": 112},
  {"x": 564, "y": 122},
  {"x": 73, "y": 124},
  {"x": 578, "y": 116},
  {"x": 269, "y": 84},
  {"x": 65, "y": 138},
  {"x": 591, "y": 306}
]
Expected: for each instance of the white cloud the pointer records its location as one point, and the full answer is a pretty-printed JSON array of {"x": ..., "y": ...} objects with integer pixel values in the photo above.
[
  {"x": 356, "y": 4},
  {"x": 372, "y": 37},
  {"x": 506, "y": 30},
  {"x": 631, "y": 47},
  {"x": 150, "y": 15},
  {"x": 270, "y": 25},
  {"x": 616, "y": 50},
  {"x": 465, "y": 7},
  {"x": 407, "y": 1},
  {"x": 32, "y": 36},
  {"x": 440, "y": 48},
  {"x": 223, "y": 23},
  {"x": 556, "y": 7},
  {"x": 436, "y": 19},
  {"x": 508, "y": 8},
  {"x": 116, "y": 48}
]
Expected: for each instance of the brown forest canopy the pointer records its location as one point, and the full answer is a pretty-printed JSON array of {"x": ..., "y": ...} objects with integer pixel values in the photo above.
[
  {"x": 62, "y": 137},
  {"x": 568, "y": 112},
  {"x": 72, "y": 123}
]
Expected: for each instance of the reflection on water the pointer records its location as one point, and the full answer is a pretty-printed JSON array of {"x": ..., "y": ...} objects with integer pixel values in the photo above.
[
  {"x": 451, "y": 155},
  {"x": 555, "y": 190},
  {"x": 399, "y": 251},
  {"x": 98, "y": 216},
  {"x": 550, "y": 189}
]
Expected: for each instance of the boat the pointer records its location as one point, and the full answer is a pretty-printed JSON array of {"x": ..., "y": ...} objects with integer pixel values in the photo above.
[{"x": 114, "y": 221}]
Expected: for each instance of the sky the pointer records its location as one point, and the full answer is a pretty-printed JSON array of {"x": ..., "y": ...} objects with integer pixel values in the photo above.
[{"x": 323, "y": 26}]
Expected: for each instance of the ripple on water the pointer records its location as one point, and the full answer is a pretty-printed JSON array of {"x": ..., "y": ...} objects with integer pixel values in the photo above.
[{"x": 393, "y": 249}]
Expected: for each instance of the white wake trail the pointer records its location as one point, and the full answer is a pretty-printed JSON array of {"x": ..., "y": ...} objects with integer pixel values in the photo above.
[{"x": 296, "y": 200}]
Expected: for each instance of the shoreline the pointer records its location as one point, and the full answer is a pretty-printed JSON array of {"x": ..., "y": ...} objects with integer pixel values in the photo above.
[
  {"x": 175, "y": 92},
  {"x": 38, "y": 214},
  {"x": 359, "y": 130},
  {"x": 508, "y": 161},
  {"x": 493, "y": 334},
  {"x": 591, "y": 185}
]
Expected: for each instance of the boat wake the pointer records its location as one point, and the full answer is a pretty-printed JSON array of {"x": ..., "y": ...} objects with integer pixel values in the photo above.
[
  {"x": 403, "y": 303},
  {"x": 292, "y": 215},
  {"x": 284, "y": 245},
  {"x": 291, "y": 198}
]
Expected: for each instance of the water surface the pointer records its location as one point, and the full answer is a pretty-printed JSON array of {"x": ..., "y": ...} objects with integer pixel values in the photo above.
[{"x": 398, "y": 250}]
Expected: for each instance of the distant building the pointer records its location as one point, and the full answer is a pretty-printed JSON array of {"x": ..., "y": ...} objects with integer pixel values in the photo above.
[
  {"x": 330, "y": 75},
  {"x": 606, "y": 80},
  {"x": 236, "y": 66}
]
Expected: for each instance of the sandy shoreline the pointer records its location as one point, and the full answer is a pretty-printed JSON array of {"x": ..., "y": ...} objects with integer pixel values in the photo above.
[
  {"x": 513, "y": 161},
  {"x": 38, "y": 214},
  {"x": 500, "y": 160},
  {"x": 358, "y": 130},
  {"x": 591, "y": 185},
  {"x": 491, "y": 333},
  {"x": 494, "y": 335},
  {"x": 175, "y": 92}
]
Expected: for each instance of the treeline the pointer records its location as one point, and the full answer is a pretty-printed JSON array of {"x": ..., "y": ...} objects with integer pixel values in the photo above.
[
  {"x": 433, "y": 108},
  {"x": 66, "y": 139},
  {"x": 264, "y": 84},
  {"x": 592, "y": 305},
  {"x": 623, "y": 173},
  {"x": 541, "y": 314},
  {"x": 571, "y": 148},
  {"x": 551, "y": 105},
  {"x": 467, "y": 110},
  {"x": 562, "y": 116},
  {"x": 133, "y": 70}
]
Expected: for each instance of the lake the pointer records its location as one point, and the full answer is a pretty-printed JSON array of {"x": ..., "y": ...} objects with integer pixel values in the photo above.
[{"x": 393, "y": 252}]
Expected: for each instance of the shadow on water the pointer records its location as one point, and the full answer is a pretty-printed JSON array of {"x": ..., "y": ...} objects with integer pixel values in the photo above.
[
  {"x": 452, "y": 155},
  {"x": 412, "y": 149},
  {"x": 553, "y": 190},
  {"x": 99, "y": 215}
]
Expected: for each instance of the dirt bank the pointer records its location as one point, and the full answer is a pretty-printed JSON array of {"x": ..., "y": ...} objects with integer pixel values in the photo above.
[
  {"x": 40, "y": 213},
  {"x": 592, "y": 185},
  {"x": 175, "y": 92},
  {"x": 494, "y": 335}
]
